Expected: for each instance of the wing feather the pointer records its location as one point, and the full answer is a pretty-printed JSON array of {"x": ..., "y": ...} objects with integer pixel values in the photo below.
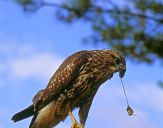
[{"x": 62, "y": 77}]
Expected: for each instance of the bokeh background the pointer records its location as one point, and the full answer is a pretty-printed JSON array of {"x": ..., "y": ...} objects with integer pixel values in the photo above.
[{"x": 33, "y": 45}]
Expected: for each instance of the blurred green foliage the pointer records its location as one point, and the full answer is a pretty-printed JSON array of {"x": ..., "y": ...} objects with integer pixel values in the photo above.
[
  {"x": 160, "y": 84},
  {"x": 134, "y": 27}
]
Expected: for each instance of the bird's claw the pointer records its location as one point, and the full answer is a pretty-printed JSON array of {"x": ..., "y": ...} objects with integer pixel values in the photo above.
[{"x": 77, "y": 125}]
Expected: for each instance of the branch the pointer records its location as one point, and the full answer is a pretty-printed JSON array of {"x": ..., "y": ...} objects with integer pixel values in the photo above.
[
  {"x": 127, "y": 13},
  {"x": 94, "y": 8}
]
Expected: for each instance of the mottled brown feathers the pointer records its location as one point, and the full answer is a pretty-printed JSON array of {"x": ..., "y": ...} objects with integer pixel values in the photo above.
[
  {"x": 65, "y": 73},
  {"x": 74, "y": 85}
]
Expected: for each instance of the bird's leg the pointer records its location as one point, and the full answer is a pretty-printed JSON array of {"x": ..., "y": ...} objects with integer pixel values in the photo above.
[{"x": 75, "y": 124}]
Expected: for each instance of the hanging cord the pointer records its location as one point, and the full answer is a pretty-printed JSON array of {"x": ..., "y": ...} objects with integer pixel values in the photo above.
[
  {"x": 129, "y": 109},
  {"x": 124, "y": 92}
]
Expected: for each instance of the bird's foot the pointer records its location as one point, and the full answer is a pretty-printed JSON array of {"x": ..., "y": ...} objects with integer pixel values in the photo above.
[{"x": 75, "y": 124}]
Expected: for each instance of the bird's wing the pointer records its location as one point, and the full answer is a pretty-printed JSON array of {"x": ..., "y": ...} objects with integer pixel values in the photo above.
[
  {"x": 38, "y": 95},
  {"x": 85, "y": 107},
  {"x": 62, "y": 77}
]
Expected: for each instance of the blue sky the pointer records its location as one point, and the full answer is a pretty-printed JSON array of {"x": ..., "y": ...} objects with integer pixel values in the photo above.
[{"x": 31, "y": 48}]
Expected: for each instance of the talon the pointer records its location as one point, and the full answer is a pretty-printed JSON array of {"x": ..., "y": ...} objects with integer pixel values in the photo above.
[{"x": 75, "y": 124}]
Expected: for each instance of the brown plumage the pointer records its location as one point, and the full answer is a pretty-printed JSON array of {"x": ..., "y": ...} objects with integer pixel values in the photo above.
[{"x": 73, "y": 85}]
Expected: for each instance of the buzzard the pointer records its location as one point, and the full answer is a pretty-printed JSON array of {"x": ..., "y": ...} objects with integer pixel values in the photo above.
[{"x": 73, "y": 85}]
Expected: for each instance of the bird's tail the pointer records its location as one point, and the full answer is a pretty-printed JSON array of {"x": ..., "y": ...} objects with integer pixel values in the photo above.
[{"x": 24, "y": 114}]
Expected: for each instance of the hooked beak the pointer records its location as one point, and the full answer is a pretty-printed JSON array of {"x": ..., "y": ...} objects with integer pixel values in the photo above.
[{"x": 122, "y": 70}]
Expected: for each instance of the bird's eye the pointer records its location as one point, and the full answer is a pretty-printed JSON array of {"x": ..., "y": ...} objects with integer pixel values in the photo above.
[{"x": 117, "y": 61}]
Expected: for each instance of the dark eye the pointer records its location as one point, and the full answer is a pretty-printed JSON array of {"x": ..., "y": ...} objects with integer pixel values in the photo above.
[{"x": 117, "y": 61}]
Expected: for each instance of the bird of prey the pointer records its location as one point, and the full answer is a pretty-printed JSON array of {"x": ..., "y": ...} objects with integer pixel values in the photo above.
[{"x": 73, "y": 85}]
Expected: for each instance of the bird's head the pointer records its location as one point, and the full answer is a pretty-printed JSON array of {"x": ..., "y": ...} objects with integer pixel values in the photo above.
[{"x": 117, "y": 61}]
